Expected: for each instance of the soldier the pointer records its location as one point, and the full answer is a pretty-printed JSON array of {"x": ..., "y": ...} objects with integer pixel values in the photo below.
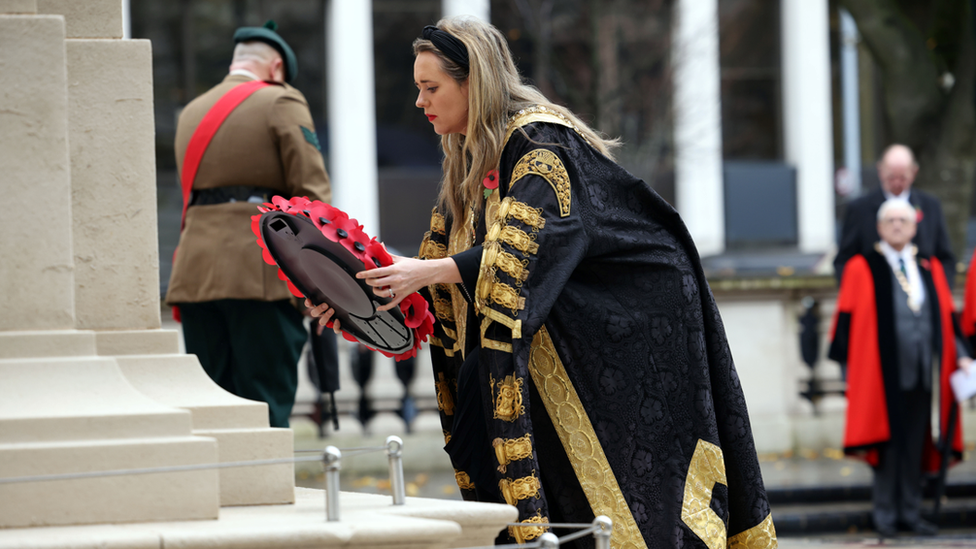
[{"x": 245, "y": 140}]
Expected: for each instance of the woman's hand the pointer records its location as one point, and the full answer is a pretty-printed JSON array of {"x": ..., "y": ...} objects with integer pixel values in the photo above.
[
  {"x": 407, "y": 275},
  {"x": 324, "y": 314}
]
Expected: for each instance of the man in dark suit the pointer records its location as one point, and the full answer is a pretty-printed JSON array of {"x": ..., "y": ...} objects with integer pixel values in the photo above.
[{"x": 897, "y": 170}]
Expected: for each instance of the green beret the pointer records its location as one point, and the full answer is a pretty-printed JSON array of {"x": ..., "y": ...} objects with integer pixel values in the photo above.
[{"x": 268, "y": 35}]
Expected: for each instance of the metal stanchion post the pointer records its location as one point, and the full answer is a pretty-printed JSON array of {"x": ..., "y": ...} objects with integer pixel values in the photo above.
[
  {"x": 333, "y": 462},
  {"x": 603, "y": 528},
  {"x": 394, "y": 449},
  {"x": 548, "y": 541}
]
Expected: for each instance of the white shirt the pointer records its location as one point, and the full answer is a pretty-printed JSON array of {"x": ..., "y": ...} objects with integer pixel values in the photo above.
[
  {"x": 911, "y": 267},
  {"x": 247, "y": 73},
  {"x": 905, "y": 195}
]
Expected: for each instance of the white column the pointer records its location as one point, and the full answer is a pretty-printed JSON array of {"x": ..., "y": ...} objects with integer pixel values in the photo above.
[
  {"x": 850, "y": 90},
  {"x": 352, "y": 112},
  {"x": 699, "y": 191},
  {"x": 808, "y": 141},
  {"x": 478, "y": 8}
]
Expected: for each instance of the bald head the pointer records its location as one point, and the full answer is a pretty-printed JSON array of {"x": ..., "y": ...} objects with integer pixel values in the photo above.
[
  {"x": 259, "y": 58},
  {"x": 897, "y": 169}
]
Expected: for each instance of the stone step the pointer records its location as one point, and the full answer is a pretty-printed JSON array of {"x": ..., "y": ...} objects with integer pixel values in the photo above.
[{"x": 803, "y": 519}]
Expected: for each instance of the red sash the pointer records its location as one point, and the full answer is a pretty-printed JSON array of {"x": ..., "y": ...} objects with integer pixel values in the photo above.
[
  {"x": 200, "y": 140},
  {"x": 209, "y": 125}
]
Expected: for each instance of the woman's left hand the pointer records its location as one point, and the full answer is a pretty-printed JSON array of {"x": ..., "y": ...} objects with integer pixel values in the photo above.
[{"x": 407, "y": 275}]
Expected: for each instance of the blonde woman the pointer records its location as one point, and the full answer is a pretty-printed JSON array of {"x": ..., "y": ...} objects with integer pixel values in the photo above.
[{"x": 581, "y": 364}]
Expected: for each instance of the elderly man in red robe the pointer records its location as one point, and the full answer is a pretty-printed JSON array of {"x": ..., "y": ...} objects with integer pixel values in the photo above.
[{"x": 894, "y": 329}]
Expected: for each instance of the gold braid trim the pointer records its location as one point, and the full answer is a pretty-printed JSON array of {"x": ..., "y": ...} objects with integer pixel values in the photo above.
[
  {"x": 508, "y": 450},
  {"x": 512, "y": 266},
  {"x": 761, "y": 536},
  {"x": 507, "y": 395},
  {"x": 438, "y": 224},
  {"x": 447, "y": 435},
  {"x": 445, "y": 401},
  {"x": 436, "y": 342},
  {"x": 491, "y": 343},
  {"x": 511, "y": 323},
  {"x": 707, "y": 468},
  {"x": 538, "y": 113},
  {"x": 443, "y": 309},
  {"x": 582, "y": 446},
  {"x": 518, "y": 239},
  {"x": 432, "y": 250},
  {"x": 507, "y": 297},
  {"x": 547, "y": 165},
  {"x": 463, "y": 480},
  {"x": 523, "y": 212},
  {"x": 523, "y": 534},
  {"x": 520, "y": 488}
]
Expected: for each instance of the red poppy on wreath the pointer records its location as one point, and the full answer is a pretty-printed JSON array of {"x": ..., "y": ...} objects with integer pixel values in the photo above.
[
  {"x": 919, "y": 216},
  {"x": 337, "y": 226},
  {"x": 490, "y": 182}
]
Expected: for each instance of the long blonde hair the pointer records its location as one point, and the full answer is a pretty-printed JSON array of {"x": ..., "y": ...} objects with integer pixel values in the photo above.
[{"x": 495, "y": 93}]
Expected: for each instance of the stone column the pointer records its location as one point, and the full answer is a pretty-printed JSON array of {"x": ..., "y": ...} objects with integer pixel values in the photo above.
[
  {"x": 63, "y": 409},
  {"x": 352, "y": 112},
  {"x": 476, "y": 8},
  {"x": 699, "y": 186},
  {"x": 113, "y": 188},
  {"x": 807, "y": 121}
]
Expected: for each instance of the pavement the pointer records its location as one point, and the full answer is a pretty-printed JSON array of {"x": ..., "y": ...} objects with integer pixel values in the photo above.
[{"x": 819, "y": 500}]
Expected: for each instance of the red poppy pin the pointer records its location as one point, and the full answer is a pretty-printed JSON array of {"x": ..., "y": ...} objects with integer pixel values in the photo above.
[
  {"x": 490, "y": 182},
  {"x": 919, "y": 216},
  {"x": 925, "y": 263}
]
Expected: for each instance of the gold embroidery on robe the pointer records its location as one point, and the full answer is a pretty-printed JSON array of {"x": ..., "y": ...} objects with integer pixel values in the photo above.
[
  {"x": 447, "y": 435},
  {"x": 523, "y": 534},
  {"x": 513, "y": 266},
  {"x": 443, "y": 309},
  {"x": 526, "y": 214},
  {"x": 521, "y": 488},
  {"x": 761, "y": 536},
  {"x": 463, "y": 480},
  {"x": 707, "y": 468},
  {"x": 508, "y": 450},
  {"x": 491, "y": 343},
  {"x": 518, "y": 239},
  {"x": 437, "y": 223},
  {"x": 445, "y": 402},
  {"x": 507, "y": 395},
  {"x": 432, "y": 250},
  {"x": 538, "y": 113},
  {"x": 507, "y": 297},
  {"x": 583, "y": 448},
  {"x": 510, "y": 323},
  {"x": 547, "y": 165}
]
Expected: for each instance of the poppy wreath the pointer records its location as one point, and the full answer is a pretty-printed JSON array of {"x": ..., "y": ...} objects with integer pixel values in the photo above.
[{"x": 338, "y": 227}]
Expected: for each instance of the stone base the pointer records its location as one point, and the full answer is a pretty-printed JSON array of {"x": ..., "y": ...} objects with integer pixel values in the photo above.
[
  {"x": 367, "y": 522},
  {"x": 239, "y": 425},
  {"x": 70, "y": 415},
  {"x": 137, "y": 342},
  {"x": 47, "y": 343}
]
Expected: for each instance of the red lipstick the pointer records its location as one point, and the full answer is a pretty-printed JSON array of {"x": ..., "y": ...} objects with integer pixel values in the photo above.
[{"x": 431, "y": 117}]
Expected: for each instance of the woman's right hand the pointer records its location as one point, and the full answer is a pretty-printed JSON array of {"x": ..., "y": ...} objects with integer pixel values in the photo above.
[{"x": 324, "y": 314}]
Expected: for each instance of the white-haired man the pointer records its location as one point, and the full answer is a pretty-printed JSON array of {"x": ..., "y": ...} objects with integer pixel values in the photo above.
[
  {"x": 897, "y": 170},
  {"x": 245, "y": 140},
  {"x": 894, "y": 329}
]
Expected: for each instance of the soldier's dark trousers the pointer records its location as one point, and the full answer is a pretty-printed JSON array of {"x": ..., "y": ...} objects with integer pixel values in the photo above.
[{"x": 250, "y": 348}]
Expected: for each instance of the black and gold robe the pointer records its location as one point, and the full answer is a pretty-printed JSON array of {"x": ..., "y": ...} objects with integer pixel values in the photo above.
[{"x": 595, "y": 375}]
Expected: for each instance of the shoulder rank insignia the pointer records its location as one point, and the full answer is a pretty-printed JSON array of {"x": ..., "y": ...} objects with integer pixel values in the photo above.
[
  {"x": 547, "y": 165},
  {"x": 311, "y": 138}
]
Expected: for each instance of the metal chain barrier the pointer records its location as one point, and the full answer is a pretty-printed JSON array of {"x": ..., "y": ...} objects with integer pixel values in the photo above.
[{"x": 601, "y": 528}]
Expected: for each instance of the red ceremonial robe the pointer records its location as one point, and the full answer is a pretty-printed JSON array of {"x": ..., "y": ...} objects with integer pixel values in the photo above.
[
  {"x": 863, "y": 336},
  {"x": 969, "y": 303}
]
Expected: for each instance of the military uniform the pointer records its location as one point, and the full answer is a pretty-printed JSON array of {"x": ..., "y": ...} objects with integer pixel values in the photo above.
[{"x": 237, "y": 316}]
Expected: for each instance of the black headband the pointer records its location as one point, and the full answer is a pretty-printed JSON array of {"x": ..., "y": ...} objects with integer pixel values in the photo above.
[{"x": 454, "y": 49}]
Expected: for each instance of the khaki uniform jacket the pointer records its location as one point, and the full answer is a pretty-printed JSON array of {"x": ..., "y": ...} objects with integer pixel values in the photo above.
[{"x": 260, "y": 144}]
